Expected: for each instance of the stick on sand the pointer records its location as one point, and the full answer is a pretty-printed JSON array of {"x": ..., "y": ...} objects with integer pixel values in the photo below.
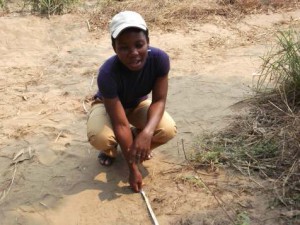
[{"x": 155, "y": 222}]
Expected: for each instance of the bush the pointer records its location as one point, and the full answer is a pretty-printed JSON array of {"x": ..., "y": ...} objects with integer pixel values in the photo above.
[
  {"x": 178, "y": 14},
  {"x": 50, "y": 7},
  {"x": 281, "y": 69},
  {"x": 2, "y": 3}
]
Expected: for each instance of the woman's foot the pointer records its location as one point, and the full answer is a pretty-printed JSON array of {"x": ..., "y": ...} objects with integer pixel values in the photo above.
[{"x": 105, "y": 160}]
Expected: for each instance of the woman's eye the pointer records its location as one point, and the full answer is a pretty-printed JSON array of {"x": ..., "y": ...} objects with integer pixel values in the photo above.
[
  {"x": 139, "y": 45},
  {"x": 123, "y": 48}
]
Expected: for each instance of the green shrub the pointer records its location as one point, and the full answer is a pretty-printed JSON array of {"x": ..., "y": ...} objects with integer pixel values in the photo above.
[
  {"x": 51, "y": 7},
  {"x": 243, "y": 219},
  {"x": 2, "y": 3}
]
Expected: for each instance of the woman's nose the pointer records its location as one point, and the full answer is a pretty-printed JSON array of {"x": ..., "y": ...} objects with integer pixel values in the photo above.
[{"x": 133, "y": 51}]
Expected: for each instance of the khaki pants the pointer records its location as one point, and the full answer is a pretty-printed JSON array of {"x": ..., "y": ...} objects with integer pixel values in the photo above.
[{"x": 102, "y": 137}]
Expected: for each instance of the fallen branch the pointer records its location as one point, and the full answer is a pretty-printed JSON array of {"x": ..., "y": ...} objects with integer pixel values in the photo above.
[
  {"x": 153, "y": 217},
  {"x": 6, "y": 192}
]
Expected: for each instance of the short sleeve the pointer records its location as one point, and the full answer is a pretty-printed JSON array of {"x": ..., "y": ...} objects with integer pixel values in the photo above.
[
  {"x": 163, "y": 63},
  {"x": 106, "y": 84}
]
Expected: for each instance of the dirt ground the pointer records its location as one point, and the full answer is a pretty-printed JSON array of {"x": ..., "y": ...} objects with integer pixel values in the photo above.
[{"x": 50, "y": 174}]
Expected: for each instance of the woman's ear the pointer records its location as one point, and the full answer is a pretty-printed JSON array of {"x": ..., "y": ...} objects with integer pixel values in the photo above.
[
  {"x": 113, "y": 44},
  {"x": 114, "y": 47}
]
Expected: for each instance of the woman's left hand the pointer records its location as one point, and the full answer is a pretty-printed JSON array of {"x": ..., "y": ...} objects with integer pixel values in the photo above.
[{"x": 141, "y": 147}]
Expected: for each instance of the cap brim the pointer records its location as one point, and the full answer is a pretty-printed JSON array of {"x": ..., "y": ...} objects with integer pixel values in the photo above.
[{"x": 116, "y": 33}]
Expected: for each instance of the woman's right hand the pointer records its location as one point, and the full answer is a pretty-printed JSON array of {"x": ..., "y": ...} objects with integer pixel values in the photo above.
[{"x": 135, "y": 180}]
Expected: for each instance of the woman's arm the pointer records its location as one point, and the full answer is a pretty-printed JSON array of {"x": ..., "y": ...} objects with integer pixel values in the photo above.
[
  {"x": 142, "y": 143},
  {"x": 124, "y": 137}
]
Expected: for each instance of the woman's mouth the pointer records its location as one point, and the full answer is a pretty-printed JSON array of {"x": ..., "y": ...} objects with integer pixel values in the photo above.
[{"x": 135, "y": 64}]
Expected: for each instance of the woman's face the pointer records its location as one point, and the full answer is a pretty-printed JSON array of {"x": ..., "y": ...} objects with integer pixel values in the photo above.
[{"x": 131, "y": 47}]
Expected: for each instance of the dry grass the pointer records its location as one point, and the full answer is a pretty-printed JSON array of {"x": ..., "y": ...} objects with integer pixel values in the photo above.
[
  {"x": 270, "y": 142},
  {"x": 267, "y": 139},
  {"x": 170, "y": 15},
  {"x": 165, "y": 14},
  {"x": 257, "y": 6}
]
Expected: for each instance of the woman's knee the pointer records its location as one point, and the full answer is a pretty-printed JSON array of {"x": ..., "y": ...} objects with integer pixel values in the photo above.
[
  {"x": 102, "y": 140},
  {"x": 97, "y": 142},
  {"x": 165, "y": 134},
  {"x": 170, "y": 131}
]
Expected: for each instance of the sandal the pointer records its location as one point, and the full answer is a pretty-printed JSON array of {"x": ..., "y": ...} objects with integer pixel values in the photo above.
[{"x": 105, "y": 160}]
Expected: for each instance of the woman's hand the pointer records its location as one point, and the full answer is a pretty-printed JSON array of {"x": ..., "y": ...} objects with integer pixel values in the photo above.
[
  {"x": 141, "y": 147},
  {"x": 135, "y": 180}
]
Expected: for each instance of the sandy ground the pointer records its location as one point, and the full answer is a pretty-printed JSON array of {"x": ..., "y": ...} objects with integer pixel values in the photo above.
[{"x": 49, "y": 172}]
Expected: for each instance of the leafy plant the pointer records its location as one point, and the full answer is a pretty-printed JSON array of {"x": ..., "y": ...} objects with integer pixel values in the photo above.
[
  {"x": 193, "y": 180},
  {"x": 242, "y": 219},
  {"x": 207, "y": 151}
]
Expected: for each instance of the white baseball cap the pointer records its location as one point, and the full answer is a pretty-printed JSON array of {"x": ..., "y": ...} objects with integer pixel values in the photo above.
[{"x": 125, "y": 20}]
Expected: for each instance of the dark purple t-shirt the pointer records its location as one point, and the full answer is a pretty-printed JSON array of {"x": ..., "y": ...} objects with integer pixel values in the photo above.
[{"x": 131, "y": 87}]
